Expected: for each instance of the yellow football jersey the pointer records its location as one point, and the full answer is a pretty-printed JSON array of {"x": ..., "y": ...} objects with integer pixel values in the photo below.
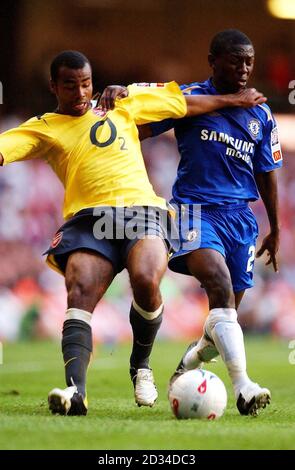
[{"x": 97, "y": 156}]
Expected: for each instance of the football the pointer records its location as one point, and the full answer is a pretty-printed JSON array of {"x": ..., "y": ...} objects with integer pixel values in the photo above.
[{"x": 197, "y": 393}]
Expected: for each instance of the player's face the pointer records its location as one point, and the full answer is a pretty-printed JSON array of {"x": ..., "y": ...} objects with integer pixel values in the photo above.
[
  {"x": 73, "y": 90},
  {"x": 232, "y": 70}
]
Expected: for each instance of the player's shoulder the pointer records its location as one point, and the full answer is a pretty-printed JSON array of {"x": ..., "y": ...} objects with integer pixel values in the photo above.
[
  {"x": 39, "y": 120},
  {"x": 41, "y": 124},
  {"x": 264, "y": 113},
  {"x": 196, "y": 88},
  {"x": 141, "y": 93}
]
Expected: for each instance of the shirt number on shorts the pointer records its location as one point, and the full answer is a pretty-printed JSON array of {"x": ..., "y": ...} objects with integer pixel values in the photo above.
[{"x": 251, "y": 253}]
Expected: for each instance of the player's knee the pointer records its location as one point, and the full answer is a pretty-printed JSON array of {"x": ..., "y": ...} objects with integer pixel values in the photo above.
[
  {"x": 145, "y": 284},
  {"x": 82, "y": 294},
  {"x": 146, "y": 281},
  {"x": 220, "y": 290}
]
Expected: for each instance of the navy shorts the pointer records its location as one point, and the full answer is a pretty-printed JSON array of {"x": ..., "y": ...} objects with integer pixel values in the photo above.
[
  {"x": 232, "y": 231},
  {"x": 109, "y": 231}
]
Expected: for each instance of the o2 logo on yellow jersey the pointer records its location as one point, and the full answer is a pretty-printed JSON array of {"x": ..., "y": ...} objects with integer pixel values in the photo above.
[{"x": 112, "y": 137}]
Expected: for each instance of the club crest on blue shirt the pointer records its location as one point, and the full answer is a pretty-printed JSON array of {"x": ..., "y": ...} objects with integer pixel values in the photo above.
[
  {"x": 191, "y": 235},
  {"x": 254, "y": 127}
]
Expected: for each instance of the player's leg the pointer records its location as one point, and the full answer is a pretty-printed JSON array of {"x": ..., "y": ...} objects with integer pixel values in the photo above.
[
  {"x": 146, "y": 264},
  {"x": 202, "y": 350},
  {"x": 238, "y": 298},
  {"x": 87, "y": 276},
  {"x": 221, "y": 327},
  {"x": 209, "y": 267},
  {"x": 250, "y": 397},
  {"x": 222, "y": 332}
]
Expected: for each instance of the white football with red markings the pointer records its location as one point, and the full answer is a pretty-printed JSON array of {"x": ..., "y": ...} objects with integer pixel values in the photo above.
[{"x": 199, "y": 394}]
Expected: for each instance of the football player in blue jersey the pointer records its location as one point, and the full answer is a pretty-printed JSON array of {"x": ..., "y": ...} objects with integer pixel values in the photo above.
[{"x": 228, "y": 158}]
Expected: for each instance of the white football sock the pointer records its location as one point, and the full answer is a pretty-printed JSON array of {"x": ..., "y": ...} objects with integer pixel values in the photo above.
[
  {"x": 148, "y": 315},
  {"x": 222, "y": 326},
  {"x": 203, "y": 351},
  {"x": 78, "y": 314}
]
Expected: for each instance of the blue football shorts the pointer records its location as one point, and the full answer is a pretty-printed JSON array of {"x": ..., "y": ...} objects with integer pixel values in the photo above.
[
  {"x": 231, "y": 230},
  {"x": 109, "y": 231}
]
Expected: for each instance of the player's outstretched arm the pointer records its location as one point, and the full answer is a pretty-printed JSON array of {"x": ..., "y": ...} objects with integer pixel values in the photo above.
[
  {"x": 201, "y": 104},
  {"x": 196, "y": 104},
  {"x": 268, "y": 189}
]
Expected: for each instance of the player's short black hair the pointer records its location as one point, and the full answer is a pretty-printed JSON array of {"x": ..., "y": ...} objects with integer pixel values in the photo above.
[
  {"x": 228, "y": 39},
  {"x": 71, "y": 59}
]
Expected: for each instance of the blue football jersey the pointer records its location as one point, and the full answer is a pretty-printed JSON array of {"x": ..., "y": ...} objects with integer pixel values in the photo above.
[{"x": 221, "y": 151}]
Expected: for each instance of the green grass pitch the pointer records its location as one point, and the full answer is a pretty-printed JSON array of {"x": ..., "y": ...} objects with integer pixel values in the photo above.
[{"x": 30, "y": 370}]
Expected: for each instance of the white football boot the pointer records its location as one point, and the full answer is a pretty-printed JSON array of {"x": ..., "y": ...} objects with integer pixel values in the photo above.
[
  {"x": 252, "y": 399},
  {"x": 145, "y": 391}
]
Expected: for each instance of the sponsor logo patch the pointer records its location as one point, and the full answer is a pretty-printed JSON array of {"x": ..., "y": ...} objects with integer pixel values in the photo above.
[
  {"x": 152, "y": 85},
  {"x": 275, "y": 146},
  {"x": 274, "y": 136},
  {"x": 277, "y": 156}
]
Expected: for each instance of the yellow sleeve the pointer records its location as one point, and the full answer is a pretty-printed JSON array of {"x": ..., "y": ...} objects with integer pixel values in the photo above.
[
  {"x": 30, "y": 140},
  {"x": 155, "y": 101}
]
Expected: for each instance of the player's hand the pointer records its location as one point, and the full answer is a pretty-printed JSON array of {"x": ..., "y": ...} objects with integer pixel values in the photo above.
[
  {"x": 270, "y": 244},
  {"x": 248, "y": 98},
  {"x": 109, "y": 95}
]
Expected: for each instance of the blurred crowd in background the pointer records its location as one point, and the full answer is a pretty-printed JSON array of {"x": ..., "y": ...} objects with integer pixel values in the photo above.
[{"x": 157, "y": 40}]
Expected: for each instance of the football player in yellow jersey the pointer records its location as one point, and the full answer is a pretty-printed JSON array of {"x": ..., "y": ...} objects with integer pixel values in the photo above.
[{"x": 110, "y": 207}]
